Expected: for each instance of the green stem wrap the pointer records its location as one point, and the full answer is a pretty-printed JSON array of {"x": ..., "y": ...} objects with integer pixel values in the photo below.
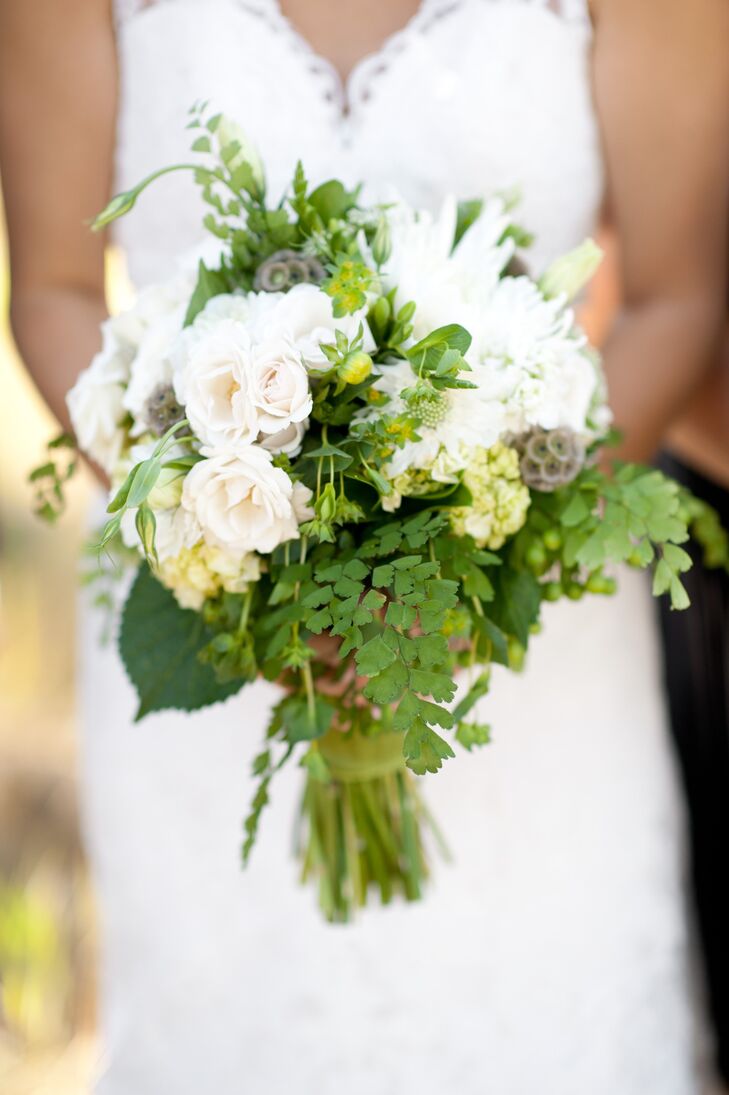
[{"x": 362, "y": 828}]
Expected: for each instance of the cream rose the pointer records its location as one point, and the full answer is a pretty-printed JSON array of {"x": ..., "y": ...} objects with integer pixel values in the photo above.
[
  {"x": 242, "y": 501},
  {"x": 212, "y": 381},
  {"x": 96, "y": 403},
  {"x": 279, "y": 386}
]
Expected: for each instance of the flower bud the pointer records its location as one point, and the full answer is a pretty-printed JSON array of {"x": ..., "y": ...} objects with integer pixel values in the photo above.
[
  {"x": 167, "y": 491},
  {"x": 356, "y": 367},
  {"x": 326, "y": 504},
  {"x": 119, "y": 205},
  {"x": 229, "y": 132},
  {"x": 382, "y": 243},
  {"x": 570, "y": 273}
]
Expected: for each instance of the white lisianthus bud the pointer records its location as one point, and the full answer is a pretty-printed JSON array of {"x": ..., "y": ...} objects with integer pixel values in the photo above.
[
  {"x": 229, "y": 132},
  {"x": 167, "y": 491},
  {"x": 571, "y": 272},
  {"x": 242, "y": 502}
]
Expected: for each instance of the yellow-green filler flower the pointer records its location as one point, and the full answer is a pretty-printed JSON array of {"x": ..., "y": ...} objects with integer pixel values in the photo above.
[{"x": 500, "y": 499}]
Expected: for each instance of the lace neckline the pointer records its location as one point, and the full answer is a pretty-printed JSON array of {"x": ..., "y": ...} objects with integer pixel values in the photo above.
[
  {"x": 346, "y": 93},
  {"x": 347, "y": 96}
]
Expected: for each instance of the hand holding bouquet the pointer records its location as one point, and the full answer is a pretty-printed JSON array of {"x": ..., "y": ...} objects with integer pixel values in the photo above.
[{"x": 366, "y": 423}]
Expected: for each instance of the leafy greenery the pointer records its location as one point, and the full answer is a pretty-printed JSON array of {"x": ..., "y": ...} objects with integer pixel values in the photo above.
[
  {"x": 159, "y": 643},
  {"x": 367, "y": 618}
]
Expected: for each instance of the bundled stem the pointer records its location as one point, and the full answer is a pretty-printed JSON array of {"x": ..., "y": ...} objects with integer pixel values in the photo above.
[{"x": 362, "y": 828}]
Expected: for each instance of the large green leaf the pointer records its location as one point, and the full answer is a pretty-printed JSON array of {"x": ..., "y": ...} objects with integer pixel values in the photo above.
[
  {"x": 516, "y": 602},
  {"x": 159, "y": 643}
]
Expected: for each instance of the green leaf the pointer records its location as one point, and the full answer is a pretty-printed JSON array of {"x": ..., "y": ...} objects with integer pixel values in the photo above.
[
  {"x": 477, "y": 691},
  {"x": 516, "y": 602},
  {"x": 576, "y": 511},
  {"x": 432, "y": 650},
  {"x": 452, "y": 336},
  {"x": 468, "y": 214},
  {"x": 424, "y": 749},
  {"x": 388, "y": 685},
  {"x": 469, "y": 734},
  {"x": 304, "y": 722},
  {"x": 374, "y": 656},
  {"x": 319, "y": 621},
  {"x": 400, "y": 615},
  {"x": 356, "y": 569},
  {"x": 331, "y": 200},
  {"x": 441, "y": 687},
  {"x": 159, "y": 644},
  {"x": 210, "y": 283},
  {"x": 382, "y": 576}
]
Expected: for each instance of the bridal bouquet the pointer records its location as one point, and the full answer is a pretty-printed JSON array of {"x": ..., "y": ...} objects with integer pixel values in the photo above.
[{"x": 354, "y": 453}]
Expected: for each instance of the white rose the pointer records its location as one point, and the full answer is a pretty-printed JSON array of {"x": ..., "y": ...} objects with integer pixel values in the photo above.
[
  {"x": 242, "y": 501},
  {"x": 213, "y": 383},
  {"x": 238, "y": 306},
  {"x": 306, "y": 318},
  {"x": 151, "y": 369},
  {"x": 287, "y": 441},
  {"x": 279, "y": 386},
  {"x": 96, "y": 403}
]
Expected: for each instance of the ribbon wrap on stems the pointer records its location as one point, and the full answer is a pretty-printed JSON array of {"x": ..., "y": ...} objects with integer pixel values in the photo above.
[{"x": 363, "y": 823}]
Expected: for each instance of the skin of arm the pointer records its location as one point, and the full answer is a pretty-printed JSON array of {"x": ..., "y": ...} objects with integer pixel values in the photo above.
[
  {"x": 701, "y": 435},
  {"x": 58, "y": 87},
  {"x": 662, "y": 93}
]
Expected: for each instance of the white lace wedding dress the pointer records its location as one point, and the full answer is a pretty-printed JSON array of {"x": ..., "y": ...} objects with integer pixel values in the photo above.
[{"x": 549, "y": 957}]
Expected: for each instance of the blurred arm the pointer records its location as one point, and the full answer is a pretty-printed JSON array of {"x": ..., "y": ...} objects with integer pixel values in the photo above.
[
  {"x": 57, "y": 123},
  {"x": 662, "y": 90}
]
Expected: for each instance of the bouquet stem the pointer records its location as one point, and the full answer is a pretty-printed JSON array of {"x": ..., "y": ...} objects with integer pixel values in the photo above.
[{"x": 362, "y": 827}]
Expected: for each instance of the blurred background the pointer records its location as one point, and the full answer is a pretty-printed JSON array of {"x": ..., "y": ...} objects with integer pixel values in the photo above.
[
  {"x": 47, "y": 938},
  {"x": 48, "y": 955}
]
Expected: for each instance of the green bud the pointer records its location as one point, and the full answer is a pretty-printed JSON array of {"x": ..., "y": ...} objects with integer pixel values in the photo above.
[
  {"x": 381, "y": 244},
  {"x": 167, "y": 491},
  {"x": 381, "y": 313},
  {"x": 570, "y": 273},
  {"x": 229, "y": 132},
  {"x": 326, "y": 504},
  {"x": 356, "y": 367},
  {"x": 117, "y": 207}
]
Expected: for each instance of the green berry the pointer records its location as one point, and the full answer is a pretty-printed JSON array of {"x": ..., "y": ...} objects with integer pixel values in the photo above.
[
  {"x": 516, "y": 654},
  {"x": 536, "y": 557},
  {"x": 574, "y": 591},
  {"x": 552, "y": 591},
  {"x": 552, "y": 539}
]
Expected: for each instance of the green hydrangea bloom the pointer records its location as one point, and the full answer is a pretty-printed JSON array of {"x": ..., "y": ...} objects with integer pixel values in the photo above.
[{"x": 500, "y": 498}]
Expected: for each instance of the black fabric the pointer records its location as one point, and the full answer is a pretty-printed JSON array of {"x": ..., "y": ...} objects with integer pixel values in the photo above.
[{"x": 696, "y": 662}]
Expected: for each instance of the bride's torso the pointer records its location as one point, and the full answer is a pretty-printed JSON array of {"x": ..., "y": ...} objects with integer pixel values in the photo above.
[{"x": 470, "y": 96}]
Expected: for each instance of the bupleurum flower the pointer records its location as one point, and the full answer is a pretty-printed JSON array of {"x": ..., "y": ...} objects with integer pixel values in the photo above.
[
  {"x": 550, "y": 458},
  {"x": 500, "y": 498},
  {"x": 284, "y": 269},
  {"x": 161, "y": 411}
]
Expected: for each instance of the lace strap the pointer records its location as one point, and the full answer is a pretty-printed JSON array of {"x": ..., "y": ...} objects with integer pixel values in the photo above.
[
  {"x": 127, "y": 9},
  {"x": 574, "y": 11}
]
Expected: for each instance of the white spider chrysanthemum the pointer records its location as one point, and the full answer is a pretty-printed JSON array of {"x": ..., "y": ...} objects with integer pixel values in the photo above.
[{"x": 448, "y": 285}]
